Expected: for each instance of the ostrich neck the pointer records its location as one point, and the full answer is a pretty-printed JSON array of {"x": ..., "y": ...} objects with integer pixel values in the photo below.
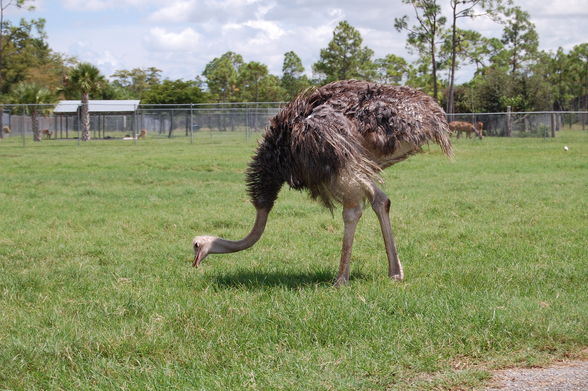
[{"x": 221, "y": 246}]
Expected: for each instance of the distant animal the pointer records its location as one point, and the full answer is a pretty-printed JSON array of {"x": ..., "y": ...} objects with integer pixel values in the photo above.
[
  {"x": 143, "y": 134},
  {"x": 480, "y": 128},
  {"x": 457, "y": 127},
  {"x": 46, "y": 133},
  {"x": 6, "y": 129},
  {"x": 333, "y": 141}
]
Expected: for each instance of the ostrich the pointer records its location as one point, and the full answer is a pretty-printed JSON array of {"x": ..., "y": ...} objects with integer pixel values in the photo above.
[{"x": 333, "y": 141}]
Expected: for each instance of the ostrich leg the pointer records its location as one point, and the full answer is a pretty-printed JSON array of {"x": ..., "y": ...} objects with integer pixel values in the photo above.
[
  {"x": 381, "y": 205},
  {"x": 351, "y": 215}
]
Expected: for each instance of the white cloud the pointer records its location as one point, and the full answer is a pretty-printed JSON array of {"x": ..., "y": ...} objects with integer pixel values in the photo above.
[
  {"x": 162, "y": 40},
  {"x": 97, "y": 5},
  {"x": 249, "y": 36},
  {"x": 556, "y": 9},
  {"x": 270, "y": 30},
  {"x": 561, "y": 23},
  {"x": 178, "y": 11},
  {"x": 219, "y": 12},
  {"x": 263, "y": 10},
  {"x": 103, "y": 59},
  {"x": 231, "y": 4},
  {"x": 259, "y": 30},
  {"x": 336, "y": 13},
  {"x": 90, "y": 5}
]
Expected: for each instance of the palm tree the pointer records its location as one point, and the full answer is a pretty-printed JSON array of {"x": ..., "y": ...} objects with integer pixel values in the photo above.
[
  {"x": 36, "y": 100},
  {"x": 87, "y": 79}
]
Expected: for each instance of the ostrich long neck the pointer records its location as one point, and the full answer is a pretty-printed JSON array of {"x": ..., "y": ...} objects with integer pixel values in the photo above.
[
  {"x": 221, "y": 246},
  {"x": 264, "y": 181}
]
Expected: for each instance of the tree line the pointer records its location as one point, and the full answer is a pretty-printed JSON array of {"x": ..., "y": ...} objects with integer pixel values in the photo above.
[{"x": 509, "y": 71}]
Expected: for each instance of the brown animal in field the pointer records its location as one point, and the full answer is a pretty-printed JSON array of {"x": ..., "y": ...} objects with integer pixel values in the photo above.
[
  {"x": 334, "y": 141},
  {"x": 467, "y": 127},
  {"x": 143, "y": 134},
  {"x": 46, "y": 133},
  {"x": 6, "y": 129},
  {"x": 480, "y": 127}
]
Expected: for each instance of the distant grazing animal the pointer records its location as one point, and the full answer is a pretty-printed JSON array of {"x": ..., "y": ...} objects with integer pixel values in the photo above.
[
  {"x": 333, "y": 141},
  {"x": 6, "y": 129},
  {"x": 46, "y": 133},
  {"x": 143, "y": 134},
  {"x": 468, "y": 128},
  {"x": 480, "y": 128}
]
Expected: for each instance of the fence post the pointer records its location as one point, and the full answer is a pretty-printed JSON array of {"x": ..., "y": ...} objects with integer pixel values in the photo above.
[
  {"x": 246, "y": 120},
  {"x": 247, "y": 130},
  {"x": 191, "y": 124},
  {"x": 135, "y": 124},
  {"x": 508, "y": 122},
  {"x": 1, "y": 122},
  {"x": 552, "y": 124},
  {"x": 22, "y": 132},
  {"x": 171, "y": 123},
  {"x": 79, "y": 123}
]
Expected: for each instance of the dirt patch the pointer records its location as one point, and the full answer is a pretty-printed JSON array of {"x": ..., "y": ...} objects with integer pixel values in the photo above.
[{"x": 563, "y": 376}]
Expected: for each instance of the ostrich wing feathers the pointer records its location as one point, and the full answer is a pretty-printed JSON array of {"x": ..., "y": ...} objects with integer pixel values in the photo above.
[
  {"x": 346, "y": 130},
  {"x": 326, "y": 146}
]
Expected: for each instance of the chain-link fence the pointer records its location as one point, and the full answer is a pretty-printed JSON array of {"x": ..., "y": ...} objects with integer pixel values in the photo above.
[
  {"x": 134, "y": 122},
  {"x": 176, "y": 121},
  {"x": 524, "y": 124},
  {"x": 117, "y": 122}
]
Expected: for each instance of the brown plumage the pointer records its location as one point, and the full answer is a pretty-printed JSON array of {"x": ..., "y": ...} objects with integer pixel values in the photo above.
[{"x": 333, "y": 141}]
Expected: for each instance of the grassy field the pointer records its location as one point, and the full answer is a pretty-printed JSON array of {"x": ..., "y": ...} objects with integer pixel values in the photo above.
[{"x": 97, "y": 289}]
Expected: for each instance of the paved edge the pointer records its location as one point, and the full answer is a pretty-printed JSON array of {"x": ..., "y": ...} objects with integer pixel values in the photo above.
[{"x": 569, "y": 375}]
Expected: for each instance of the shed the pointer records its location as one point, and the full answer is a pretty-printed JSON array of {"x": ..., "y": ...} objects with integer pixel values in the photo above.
[
  {"x": 119, "y": 113},
  {"x": 98, "y": 106}
]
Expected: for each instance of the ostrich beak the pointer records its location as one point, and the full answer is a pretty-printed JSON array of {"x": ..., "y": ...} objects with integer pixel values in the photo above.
[
  {"x": 197, "y": 257},
  {"x": 200, "y": 252},
  {"x": 197, "y": 260}
]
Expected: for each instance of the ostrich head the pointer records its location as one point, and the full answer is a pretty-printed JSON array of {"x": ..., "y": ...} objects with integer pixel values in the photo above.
[{"x": 202, "y": 247}]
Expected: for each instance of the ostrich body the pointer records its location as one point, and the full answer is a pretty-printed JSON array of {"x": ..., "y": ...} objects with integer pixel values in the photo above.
[{"x": 333, "y": 141}]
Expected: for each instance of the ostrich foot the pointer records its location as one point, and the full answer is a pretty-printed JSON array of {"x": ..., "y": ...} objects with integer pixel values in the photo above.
[
  {"x": 397, "y": 277},
  {"x": 396, "y": 274},
  {"x": 340, "y": 281}
]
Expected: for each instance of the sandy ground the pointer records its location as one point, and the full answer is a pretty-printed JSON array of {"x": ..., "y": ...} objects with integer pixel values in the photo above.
[{"x": 563, "y": 376}]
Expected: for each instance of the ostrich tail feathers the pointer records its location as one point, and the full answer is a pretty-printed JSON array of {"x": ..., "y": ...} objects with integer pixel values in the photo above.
[
  {"x": 445, "y": 144},
  {"x": 442, "y": 135}
]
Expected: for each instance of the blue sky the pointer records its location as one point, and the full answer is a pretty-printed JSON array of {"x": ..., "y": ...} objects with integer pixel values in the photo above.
[{"x": 182, "y": 36}]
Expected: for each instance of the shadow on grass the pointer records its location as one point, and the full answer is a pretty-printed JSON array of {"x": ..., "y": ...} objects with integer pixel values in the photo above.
[{"x": 285, "y": 279}]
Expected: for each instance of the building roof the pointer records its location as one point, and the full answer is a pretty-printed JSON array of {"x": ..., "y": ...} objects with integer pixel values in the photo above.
[{"x": 97, "y": 106}]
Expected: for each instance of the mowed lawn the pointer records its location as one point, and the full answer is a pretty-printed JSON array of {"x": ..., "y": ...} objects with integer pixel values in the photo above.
[{"x": 97, "y": 290}]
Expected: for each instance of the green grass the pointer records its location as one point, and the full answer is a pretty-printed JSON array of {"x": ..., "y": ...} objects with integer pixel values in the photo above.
[{"x": 97, "y": 289}]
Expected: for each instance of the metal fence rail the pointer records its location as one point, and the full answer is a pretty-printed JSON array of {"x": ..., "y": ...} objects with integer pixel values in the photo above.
[
  {"x": 525, "y": 124},
  {"x": 154, "y": 121},
  {"x": 186, "y": 121}
]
